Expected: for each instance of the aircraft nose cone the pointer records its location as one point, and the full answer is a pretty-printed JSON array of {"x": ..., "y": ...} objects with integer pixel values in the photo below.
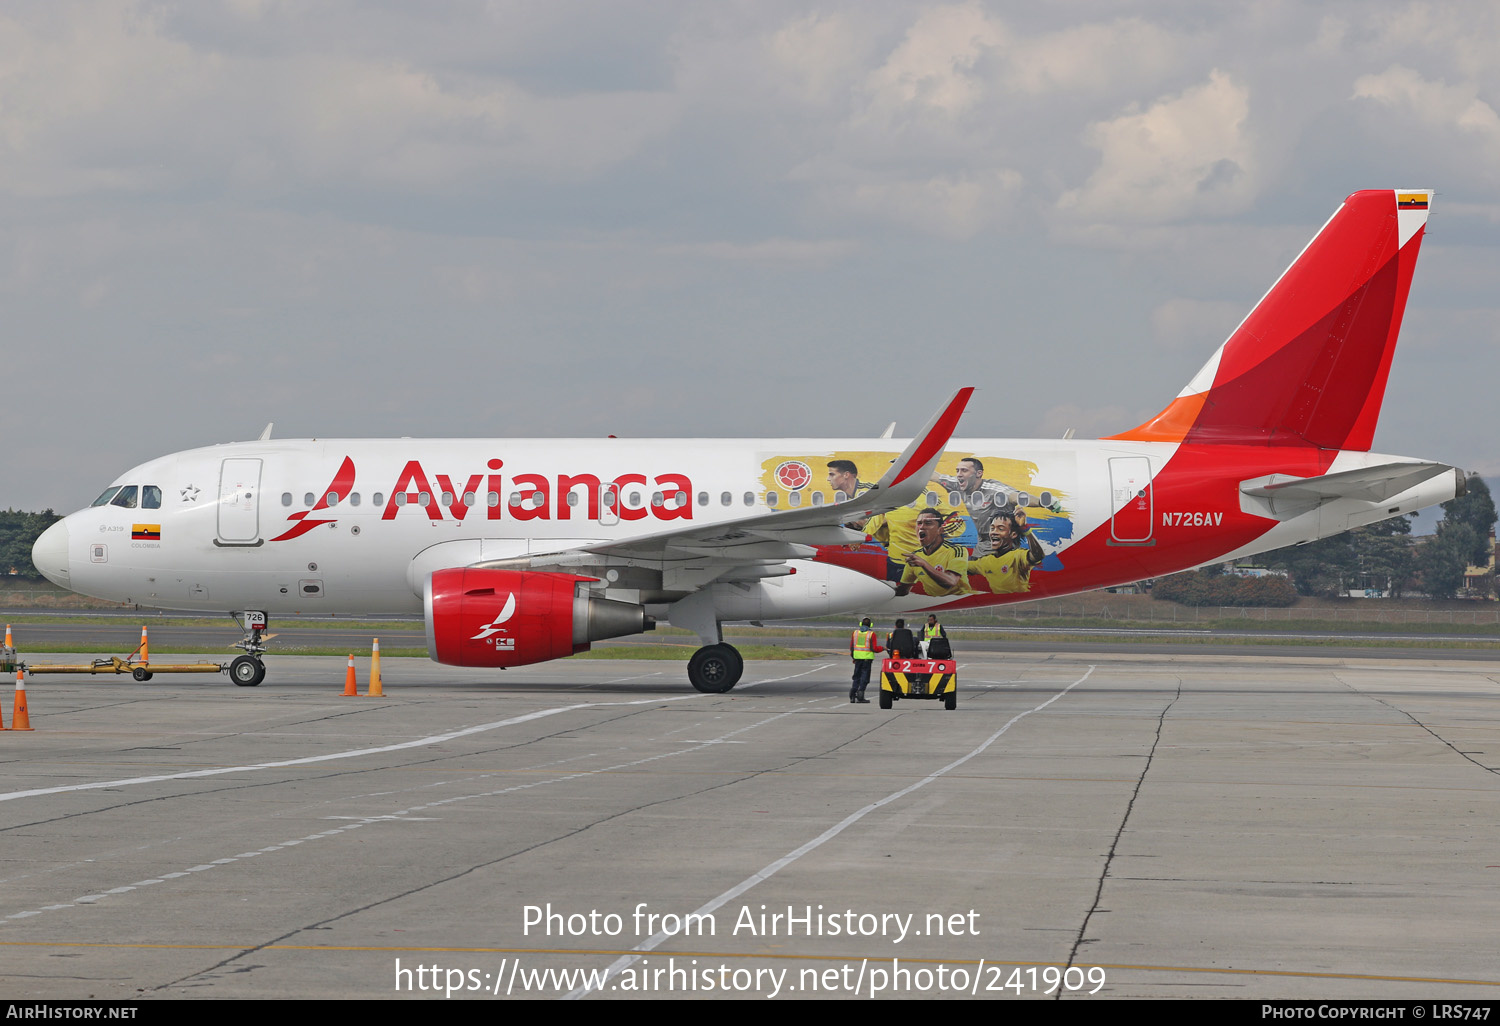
[{"x": 50, "y": 554}]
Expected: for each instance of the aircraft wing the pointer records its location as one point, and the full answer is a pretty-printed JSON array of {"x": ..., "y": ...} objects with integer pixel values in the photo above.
[
  {"x": 1371, "y": 484},
  {"x": 778, "y": 536}
]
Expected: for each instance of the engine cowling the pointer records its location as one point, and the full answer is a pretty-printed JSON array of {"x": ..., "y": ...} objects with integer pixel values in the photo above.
[{"x": 479, "y": 617}]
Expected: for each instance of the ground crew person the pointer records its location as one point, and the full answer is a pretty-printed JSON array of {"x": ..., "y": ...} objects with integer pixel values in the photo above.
[
  {"x": 862, "y": 648},
  {"x": 900, "y": 644},
  {"x": 933, "y": 631}
]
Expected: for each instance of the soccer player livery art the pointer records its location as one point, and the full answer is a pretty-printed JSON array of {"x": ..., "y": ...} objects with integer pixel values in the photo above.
[{"x": 944, "y": 545}]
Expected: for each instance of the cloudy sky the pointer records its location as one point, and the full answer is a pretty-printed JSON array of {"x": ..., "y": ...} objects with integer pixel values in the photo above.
[{"x": 709, "y": 218}]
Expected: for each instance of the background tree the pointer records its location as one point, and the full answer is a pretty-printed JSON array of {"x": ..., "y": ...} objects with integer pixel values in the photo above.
[
  {"x": 1476, "y": 510},
  {"x": 1443, "y": 558},
  {"x": 19, "y": 530},
  {"x": 1384, "y": 550},
  {"x": 1317, "y": 568}
]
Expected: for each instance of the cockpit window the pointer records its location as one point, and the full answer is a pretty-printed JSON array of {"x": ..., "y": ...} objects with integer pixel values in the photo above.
[
  {"x": 109, "y": 493},
  {"x": 125, "y": 498},
  {"x": 150, "y": 497}
]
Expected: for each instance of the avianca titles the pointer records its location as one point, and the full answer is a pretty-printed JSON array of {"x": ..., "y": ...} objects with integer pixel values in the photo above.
[{"x": 518, "y": 551}]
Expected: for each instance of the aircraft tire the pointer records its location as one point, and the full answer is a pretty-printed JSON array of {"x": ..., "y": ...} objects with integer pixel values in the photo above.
[
  {"x": 141, "y": 674},
  {"x": 247, "y": 671},
  {"x": 714, "y": 669}
]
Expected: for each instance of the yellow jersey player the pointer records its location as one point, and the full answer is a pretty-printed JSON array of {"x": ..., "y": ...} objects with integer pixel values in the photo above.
[
  {"x": 937, "y": 565},
  {"x": 1007, "y": 568},
  {"x": 897, "y": 530}
]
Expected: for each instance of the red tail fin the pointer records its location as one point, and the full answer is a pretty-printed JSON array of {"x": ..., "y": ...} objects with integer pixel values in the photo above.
[{"x": 1309, "y": 365}]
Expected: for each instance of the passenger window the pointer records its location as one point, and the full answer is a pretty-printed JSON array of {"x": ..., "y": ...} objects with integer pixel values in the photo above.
[
  {"x": 493, "y": 499},
  {"x": 468, "y": 498},
  {"x": 839, "y": 497},
  {"x": 703, "y": 498},
  {"x": 749, "y": 498},
  {"x": 424, "y": 499},
  {"x": 609, "y": 499},
  {"x": 772, "y": 498},
  {"x": 726, "y": 499},
  {"x": 795, "y": 499},
  {"x": 286, "y": 498},
  {"x": 447, "y": 498},
  {"x": 656, "y": 499},
  {"x": 515, "y": 499},
  {"x": 379, "y": 498},
  {"x": 333, "y": 498},
  {"x": 932, "y": 498},
  {"x": 572, "y": 498},
  {"x": 635, "y": 500},
  {"x": 955, "y": 499},
  {"x": 307, "y": 500},
  {"x": 150, "y": 497},
  {"x": 126, "y": 498},
  {"x": 817, "y": 498},
  {"x": 354, "y": 498},
  {"x": 682, "y": 499},
  {"x": 401, "y": 498},
  {"x": 109, "y": 493}
]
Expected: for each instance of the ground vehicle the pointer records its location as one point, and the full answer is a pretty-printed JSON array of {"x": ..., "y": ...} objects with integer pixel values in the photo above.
[{"x": 919, "y": 678}]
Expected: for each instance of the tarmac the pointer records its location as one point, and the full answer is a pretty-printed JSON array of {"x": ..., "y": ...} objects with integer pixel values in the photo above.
[{"x": 1098, "y": 825}]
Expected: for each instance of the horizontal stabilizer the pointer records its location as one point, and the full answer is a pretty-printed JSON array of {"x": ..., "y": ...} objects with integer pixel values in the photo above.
[{"x": 1368, "y": 484}]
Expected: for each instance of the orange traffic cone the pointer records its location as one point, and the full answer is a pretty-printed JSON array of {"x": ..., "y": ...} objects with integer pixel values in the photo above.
[
  {"x": 7, "y": 637},
  {"x": 377, "y": 690},
  {"x": 18, "y": 718},
  {"x": 351, "y": 690},
  {"x": 145, "y": 652}
]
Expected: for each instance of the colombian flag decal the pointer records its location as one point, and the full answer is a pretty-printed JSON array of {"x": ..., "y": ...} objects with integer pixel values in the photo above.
[
  {"x": 145, "y": 532},
  {"x": 1411, "y": 201}
]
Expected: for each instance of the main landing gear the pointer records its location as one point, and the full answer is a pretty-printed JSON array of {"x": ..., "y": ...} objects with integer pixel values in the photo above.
[
  {"x": 714, "y": 669},
  {"x": 247, "y": 670}
]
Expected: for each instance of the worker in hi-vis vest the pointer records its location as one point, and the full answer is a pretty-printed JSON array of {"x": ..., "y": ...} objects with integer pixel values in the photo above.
[
  {"x": 933, "y": 632},
  {"x": 862, "y": 648}
]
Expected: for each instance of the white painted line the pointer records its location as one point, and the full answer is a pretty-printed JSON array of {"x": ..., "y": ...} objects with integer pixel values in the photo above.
[
  {"x": 651, "y": 943},
  {"x": 422, "y": 742},
  {"x": 405, "y": 815}
]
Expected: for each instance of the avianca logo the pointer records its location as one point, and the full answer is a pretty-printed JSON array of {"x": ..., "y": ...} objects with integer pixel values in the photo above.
[
  {"x": 303, "y": 521},
  {"x": 540, "y": 497},
  {"x": 493, "y": 627},
  {"x": 536, "y": 496}
]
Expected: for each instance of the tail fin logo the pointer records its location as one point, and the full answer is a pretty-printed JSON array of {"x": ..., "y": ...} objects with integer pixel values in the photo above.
[
  {"x": 493, "y": 627},
  {"x": 302, "y": 521}
]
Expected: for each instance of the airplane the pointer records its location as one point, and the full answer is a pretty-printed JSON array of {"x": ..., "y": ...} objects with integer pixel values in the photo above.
[{"x": 518, "y": 551}]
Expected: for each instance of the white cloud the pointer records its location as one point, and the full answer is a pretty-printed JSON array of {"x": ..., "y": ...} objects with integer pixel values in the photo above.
[
  {"x": 105, "y": 98},
  {"x": 1434, "y": 105},
  {"x": 1094, "y": 57},
  {"x": 1194, "y": 324},
  {"x": 935, "y": 70},
  {"x": 1184, "y": 156}
]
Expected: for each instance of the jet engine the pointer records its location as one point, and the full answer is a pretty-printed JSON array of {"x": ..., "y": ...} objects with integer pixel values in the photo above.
[{"x": 481, "y": 617}]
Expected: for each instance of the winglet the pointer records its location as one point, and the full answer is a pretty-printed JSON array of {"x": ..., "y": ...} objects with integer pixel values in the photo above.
[{"x": 915, "y": 465}]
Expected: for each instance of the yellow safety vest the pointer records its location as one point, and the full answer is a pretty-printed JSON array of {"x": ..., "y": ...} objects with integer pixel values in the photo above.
[
  {"x": 864, "y": 644},
  {"x": 932, "y": 631}
]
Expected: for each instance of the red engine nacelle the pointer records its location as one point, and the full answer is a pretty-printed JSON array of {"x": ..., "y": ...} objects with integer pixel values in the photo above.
[{"x": 478, "y": 617}]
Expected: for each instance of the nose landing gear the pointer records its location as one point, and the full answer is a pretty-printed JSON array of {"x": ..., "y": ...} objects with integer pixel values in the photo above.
[{"x": 247, "y": 670}]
